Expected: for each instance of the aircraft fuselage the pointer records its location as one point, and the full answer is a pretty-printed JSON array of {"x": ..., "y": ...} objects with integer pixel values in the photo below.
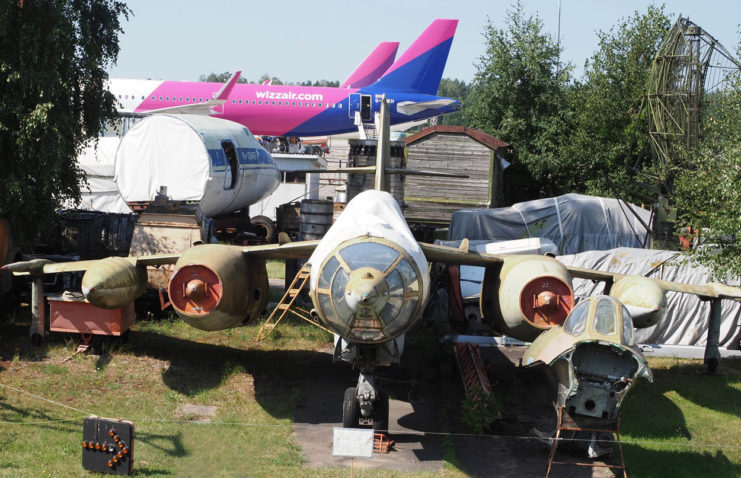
[{"x": 277, "y": 109}]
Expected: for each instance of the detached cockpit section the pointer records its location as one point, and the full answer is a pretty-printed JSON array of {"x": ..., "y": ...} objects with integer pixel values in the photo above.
[
  {"x": 368, "y": 291},
  {"x": 592, "y": 357}
]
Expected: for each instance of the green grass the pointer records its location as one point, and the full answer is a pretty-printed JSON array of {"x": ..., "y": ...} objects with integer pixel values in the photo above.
[
  {"x": 687, "y": 423},
  {"x": 167, "y": 364}
]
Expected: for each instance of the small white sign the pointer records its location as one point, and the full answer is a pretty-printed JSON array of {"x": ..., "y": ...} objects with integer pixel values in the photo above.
[{"x": 352, "y": 442}]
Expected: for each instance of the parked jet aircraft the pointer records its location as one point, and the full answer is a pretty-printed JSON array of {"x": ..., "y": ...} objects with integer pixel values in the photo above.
[
  {"x": 369, "y": 284},
  {"x": 371, "y": 69},
  {"x": 410, "y": 84}
]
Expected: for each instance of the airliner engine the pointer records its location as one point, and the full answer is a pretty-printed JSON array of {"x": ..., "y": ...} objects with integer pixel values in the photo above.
[
  {"x": 526, "y": 295},
  {"x": 214, "y": 287}
]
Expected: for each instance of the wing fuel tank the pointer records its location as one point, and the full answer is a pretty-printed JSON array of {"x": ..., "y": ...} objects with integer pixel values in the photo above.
[
  {"x": 113, "y": 282},
  {"x": 643, "y": 297}
]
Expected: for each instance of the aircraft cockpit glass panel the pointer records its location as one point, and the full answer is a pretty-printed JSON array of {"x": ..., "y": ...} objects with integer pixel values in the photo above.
[
  {"x": 326, "y": 278},
  {"x": 411, "y": 284},
  {"x": 605, "y": 316},
  {"x": 371, "y": 254},
  {"x": 368, "y": 291},
  {"x": 628, "y": 338},
  {"x": 576, "y": 322}
]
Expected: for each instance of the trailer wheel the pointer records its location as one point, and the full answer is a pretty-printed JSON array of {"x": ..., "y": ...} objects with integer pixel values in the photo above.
[{"x": 265, "y": 227}]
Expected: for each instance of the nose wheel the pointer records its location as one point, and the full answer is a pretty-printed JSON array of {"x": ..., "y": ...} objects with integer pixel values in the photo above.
[
  {"x": 375, "y": 412},
  {"x": 351, "y": 409}
]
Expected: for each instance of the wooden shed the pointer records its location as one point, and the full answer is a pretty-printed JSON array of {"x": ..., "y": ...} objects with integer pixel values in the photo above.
[{"x": 455, "y": 149}]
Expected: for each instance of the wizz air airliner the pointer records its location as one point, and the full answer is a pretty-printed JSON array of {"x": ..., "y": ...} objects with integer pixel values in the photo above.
[{"x": 410, "y": 85}]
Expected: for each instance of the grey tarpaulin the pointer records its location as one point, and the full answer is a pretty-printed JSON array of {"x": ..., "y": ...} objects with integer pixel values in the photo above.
[
  {"x": 686, "y": 322},
  {"x": 574, "y": 222}
]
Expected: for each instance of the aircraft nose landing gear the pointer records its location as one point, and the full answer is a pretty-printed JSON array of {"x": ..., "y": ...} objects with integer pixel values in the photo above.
[{"x": 365, "y": 405}]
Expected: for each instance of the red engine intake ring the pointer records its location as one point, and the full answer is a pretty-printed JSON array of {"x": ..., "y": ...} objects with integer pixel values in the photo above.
[
  {"x": 195, "y": 290},
  {"x": 546, "y": 301}
]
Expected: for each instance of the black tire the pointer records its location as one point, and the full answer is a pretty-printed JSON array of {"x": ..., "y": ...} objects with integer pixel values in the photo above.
[
  {"x": 265, "y": 227},
  {"x": 350, "y": 409},
  {"x": 381, "y": 412}
]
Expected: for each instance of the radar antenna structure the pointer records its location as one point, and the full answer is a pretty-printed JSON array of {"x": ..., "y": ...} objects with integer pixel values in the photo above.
[{"x": 691, "y": 72}]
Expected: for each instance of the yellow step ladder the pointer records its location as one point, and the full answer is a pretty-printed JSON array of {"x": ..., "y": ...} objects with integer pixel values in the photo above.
[{"x": 287, "y": 304}]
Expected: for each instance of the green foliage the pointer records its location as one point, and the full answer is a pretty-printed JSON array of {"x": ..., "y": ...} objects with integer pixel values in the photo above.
[
  {"x": 610, "y": 134},
  {"x": 221, "y": 77},
  {"x": 53, "y": 56},
  {"x": 479, "y": 410},
  {"x": 708, "y": 191},
  {"x": 519, "y": 95},
  {"x": 458, "y": 90}
]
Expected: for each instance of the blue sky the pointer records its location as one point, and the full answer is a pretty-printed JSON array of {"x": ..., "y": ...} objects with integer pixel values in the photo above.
[{"x": 326, "y": 39}]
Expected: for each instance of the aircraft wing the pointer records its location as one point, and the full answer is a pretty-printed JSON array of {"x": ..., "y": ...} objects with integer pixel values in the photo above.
[
  {"x": 458, "y": 255},
  {"x": 413, "y": 107},
  {"x": 45, "y": 266},
  {"x": 204, "y": 108},
  {"x": 462, "y": 256},
  {"x": 288, "y": 250},
  {"x": 712, "y": 290}
]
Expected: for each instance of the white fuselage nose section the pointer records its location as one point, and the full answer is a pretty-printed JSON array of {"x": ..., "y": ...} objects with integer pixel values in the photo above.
[{"x": 372, "y": 214}]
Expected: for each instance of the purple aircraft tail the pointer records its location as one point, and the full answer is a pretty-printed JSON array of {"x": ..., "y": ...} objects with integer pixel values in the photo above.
[
  {"x": 372, "y": 67},
  {"x": 420, "y": 68}
]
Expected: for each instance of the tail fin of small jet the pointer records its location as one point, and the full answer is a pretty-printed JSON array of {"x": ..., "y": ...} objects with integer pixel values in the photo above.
[
  {"x": 379, "y": 60},
  {"x": 420, "y": 67}
]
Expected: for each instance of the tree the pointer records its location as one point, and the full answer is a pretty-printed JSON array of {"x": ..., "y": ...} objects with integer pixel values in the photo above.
[
  {"x": 53, "y": 55},
  {"x": 221, "y": 77},
  {"x": 458, "y": 90},
  {"x": 708, "y": 193},
  {"x": 610, "y": 134},
  {"x": 519, "y": 95}
]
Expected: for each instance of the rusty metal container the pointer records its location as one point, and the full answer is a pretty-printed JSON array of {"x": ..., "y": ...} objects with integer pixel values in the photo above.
[{"x": 76, "y": 315}]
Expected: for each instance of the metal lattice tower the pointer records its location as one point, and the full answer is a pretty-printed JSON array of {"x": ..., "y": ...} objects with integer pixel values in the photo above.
[{"x": 691, "y": 69}]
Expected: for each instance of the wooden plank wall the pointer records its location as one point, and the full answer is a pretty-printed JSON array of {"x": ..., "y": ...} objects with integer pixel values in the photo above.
[{"x": 435, "y": 199}]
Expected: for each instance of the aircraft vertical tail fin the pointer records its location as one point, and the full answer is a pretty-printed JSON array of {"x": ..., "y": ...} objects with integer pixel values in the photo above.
[
  {"x": 420, "y": 68},
  {"x": 379, "y": 60}
]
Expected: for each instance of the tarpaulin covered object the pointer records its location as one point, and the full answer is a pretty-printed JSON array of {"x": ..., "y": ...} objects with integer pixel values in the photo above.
[
  {"x": 100, "y": 193},
  {"x": 574, "y": 222},
  {"x": 686, "y": 322}
]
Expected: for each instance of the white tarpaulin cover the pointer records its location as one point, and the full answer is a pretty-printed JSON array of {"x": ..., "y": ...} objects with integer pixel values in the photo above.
[
  {"x": 163, "y": 151},
  {"x": 686, "y": 322},
  {"x": 574, "y": 222},
  {"x": 100, "y": 193}
]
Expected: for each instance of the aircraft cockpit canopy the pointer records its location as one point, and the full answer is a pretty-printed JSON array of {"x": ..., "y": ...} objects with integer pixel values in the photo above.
[
  {"x": 368, "y": 291},
  {"x": 601, "y": 316}
]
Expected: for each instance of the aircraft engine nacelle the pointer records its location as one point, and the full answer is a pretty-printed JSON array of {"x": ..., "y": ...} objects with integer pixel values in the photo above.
[
  {"x": 526, "y": 295},
  {"x": 214, "y": 287},
  {"x": 113, "y": 282},
  {"x": 643, "y": 298}
]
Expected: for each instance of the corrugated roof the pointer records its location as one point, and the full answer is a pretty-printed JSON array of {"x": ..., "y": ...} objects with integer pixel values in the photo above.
[{"x": 478, "y": 135}]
